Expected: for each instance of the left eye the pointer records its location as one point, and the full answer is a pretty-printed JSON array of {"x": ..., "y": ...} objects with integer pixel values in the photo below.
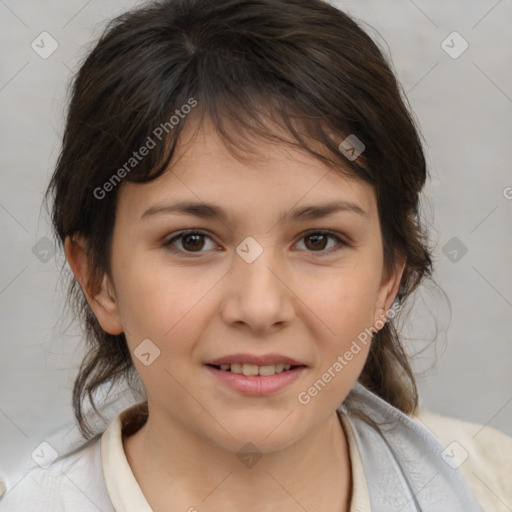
[
  {"x": 197, "y": 242},
  {"x": 317, "y": 241}
]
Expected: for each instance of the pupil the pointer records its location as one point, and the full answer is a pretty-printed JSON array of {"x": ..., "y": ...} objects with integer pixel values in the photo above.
[
  {"x": 316, "y": 239},
  {"x": 194, "y": 244}
]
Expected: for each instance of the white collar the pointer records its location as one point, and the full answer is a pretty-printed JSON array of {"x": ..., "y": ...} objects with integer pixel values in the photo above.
[{"x": 123, "y": 489}]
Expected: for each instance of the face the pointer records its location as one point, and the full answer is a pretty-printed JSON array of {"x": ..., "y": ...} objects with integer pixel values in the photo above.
[{"x": 225, "y": 266}]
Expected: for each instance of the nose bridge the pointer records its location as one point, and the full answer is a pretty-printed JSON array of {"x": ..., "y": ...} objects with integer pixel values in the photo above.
[
  {"x": 257, "y": 297},
  {"x": 258, "y": 276}
]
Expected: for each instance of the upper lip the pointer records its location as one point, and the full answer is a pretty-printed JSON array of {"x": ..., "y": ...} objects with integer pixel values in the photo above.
[{"x": 263, "y": 360}]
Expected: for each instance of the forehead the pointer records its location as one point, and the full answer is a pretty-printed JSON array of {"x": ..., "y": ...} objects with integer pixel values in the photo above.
[{"x": 260, "y": 173}]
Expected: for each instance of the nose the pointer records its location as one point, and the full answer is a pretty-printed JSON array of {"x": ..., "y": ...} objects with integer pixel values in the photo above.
[{"x": 258, "y": 295}]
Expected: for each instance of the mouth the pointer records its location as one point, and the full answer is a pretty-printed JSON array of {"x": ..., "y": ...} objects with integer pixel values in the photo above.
[
  {"x": 253, "y": 370},
  {"x": 255, "y": 375}
]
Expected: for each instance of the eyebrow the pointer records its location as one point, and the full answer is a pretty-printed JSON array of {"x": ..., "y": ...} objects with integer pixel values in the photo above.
[{"x": 209, "y": 211}]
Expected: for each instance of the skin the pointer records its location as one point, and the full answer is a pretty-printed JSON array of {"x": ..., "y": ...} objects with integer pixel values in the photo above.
[{"x": 197, "y": 306}]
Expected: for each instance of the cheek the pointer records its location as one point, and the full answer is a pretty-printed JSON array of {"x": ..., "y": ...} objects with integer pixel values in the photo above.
[
  {"x": 171, "y": 310},
  {"x": 344, "y": 345},
  {"x": 343, "y": 301},
  {"x": 164, "y": 305}
]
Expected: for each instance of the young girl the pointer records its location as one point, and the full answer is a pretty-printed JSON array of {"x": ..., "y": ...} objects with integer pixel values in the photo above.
[{"x": 237, "y": 196}]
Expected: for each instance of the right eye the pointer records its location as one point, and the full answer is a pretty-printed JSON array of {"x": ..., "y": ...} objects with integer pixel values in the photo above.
[{"x": 190, "y": 241}]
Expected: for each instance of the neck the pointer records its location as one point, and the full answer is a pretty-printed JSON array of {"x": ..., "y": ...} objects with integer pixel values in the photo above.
[{"x": 195, "y": 473}]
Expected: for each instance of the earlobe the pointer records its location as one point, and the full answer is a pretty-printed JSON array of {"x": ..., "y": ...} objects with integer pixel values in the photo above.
[{"x": 100, "y": 295}]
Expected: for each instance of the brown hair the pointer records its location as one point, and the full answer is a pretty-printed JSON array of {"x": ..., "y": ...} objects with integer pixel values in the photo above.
[{"x": 248, "y": 65}]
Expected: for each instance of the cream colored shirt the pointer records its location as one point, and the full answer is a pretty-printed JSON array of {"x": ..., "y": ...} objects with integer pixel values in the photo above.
[{"x": 98, "y": 477}]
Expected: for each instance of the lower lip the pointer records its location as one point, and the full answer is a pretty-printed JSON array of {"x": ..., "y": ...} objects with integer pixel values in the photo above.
[{"x": 257, "y": 386}]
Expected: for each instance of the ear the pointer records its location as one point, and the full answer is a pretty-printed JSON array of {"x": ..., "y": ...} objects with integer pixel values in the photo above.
[
  {"x": 388, "y": 290},
  {"x": 99, "y": 295}
]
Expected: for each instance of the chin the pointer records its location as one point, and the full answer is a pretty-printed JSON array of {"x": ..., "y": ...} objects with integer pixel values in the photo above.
[{"x": 267, "y": 435}]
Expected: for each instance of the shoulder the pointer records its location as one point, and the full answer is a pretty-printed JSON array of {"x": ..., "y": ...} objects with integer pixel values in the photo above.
[
  {"x": 483, "y": 454},
  {"x": 72, "y": 482}
]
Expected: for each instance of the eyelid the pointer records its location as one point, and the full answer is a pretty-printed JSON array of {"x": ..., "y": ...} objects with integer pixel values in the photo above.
[{"x": 341, "y": 241}]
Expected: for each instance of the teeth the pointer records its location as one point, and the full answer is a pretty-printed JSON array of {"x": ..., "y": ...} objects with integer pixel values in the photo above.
[
  {"x": 265, "y": 371},
  {"x": 251, "y": 370},
  {"x": 236, "y": 368}
]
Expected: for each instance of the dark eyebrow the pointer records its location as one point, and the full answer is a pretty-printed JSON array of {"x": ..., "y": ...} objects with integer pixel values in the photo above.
[
  {"x": 208, "y": 211},
  {"x": 319, "y": 211}
]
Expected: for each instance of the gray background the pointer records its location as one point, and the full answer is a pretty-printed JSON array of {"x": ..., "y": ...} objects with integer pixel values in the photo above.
[{"x": 464, "y": 108}]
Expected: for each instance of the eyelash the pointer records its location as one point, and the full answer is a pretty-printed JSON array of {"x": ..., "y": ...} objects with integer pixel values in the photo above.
[{"x": 320, "y": 253}]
